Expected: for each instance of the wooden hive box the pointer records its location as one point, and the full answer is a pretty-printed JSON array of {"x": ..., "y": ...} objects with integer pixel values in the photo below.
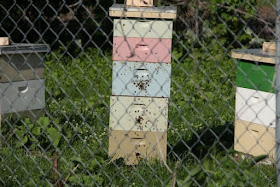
[
  {"x": 141, "y": 79},
  {"x": 254, "y": 139},
  {"x": 141, "y": 3},
  {"x": 255, "y": 106},
  {"x": 143, "y": 28},
  {"x": 255, "y": 69},
  {"x": 138, "y": 114},
  {"x": 135, "y": 145}
]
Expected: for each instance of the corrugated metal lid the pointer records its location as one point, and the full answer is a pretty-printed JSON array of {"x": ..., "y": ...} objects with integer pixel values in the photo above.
[{"x": 24, "y": 48}]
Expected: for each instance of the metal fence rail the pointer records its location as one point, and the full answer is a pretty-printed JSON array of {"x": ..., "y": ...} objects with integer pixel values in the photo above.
[{"x": 175, "y": 93}]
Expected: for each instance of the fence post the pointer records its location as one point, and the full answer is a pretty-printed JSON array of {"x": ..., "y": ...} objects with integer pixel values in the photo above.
[{"x": 278, "y": 91}]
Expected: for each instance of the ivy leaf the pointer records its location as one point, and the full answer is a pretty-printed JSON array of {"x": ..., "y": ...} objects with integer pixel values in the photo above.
[
  {"x": 54, "y": 136},
  {"x": 44, "y": 122},
  {"x": 20, "y": 133},
  {"x": 30, "y": 126},
  {"x": 36, "y": 131},
  {"x": 23, "y": 141},
  {"x": 77, "y": 160}
]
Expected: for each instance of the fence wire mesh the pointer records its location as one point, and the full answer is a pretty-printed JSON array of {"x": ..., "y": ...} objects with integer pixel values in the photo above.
[{"x": 89, "y": 99}]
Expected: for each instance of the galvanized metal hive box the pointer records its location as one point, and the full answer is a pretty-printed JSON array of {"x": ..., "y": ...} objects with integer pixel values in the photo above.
[
  {"x": 141, "y": 79},
  {"x": 22, "y": 96},
  {"x": 22, "y": 77},
  {"x": 22, "y": 62}
]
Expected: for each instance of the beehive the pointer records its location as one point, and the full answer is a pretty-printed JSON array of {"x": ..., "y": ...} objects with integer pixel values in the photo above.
[
  {"x": 22, "y": 79},
  {"x": 255, "y": 102},
  {"x": 141, "y": 82}
]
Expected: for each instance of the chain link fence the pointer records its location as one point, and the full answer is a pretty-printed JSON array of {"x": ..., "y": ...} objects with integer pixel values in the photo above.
[{"x": 89, "y": 99}]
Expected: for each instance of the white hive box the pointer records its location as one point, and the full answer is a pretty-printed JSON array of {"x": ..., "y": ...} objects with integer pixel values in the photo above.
[
  {"x": 22, "y": 62},
  {"x": 138, "y": 114},
  {"x": 141, "y": 79},
  {"x": 22, "y": 96},
  {"x": 255, "y": 106},
  {"x": 143, "y": 28}
]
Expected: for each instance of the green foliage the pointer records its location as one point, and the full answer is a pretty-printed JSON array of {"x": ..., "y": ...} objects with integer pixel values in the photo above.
[
  {"x": 78, "y": 87},
  {"x": 218, "y": 169},
  {"x": 202, "y": 102},
  {"x": 42, "y": 134},
  {"x": 87, "y": 76}
]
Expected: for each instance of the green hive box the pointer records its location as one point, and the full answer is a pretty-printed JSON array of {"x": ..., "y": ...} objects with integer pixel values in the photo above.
[
  {"x": 255, "y": 69},
  {"x": 255, "y": 75}
]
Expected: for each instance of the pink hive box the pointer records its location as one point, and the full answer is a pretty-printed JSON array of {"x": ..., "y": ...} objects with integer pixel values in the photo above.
[{"x": 142, "y": 49}]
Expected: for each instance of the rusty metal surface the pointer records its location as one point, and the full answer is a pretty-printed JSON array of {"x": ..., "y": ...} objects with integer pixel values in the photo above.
[
  {"x": 138, "y": 113},
  {"x": 141, "y": 79}
]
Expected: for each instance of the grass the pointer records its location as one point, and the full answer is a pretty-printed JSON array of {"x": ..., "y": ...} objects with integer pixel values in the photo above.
[{"x": 201, "y": 115}]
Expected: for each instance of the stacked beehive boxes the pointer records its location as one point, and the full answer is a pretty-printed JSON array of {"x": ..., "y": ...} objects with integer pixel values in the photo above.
[
  {"x": 255, "y": 102},
  {"x": 141, "y": 81},
  {"x": 22, "y": 89}
]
